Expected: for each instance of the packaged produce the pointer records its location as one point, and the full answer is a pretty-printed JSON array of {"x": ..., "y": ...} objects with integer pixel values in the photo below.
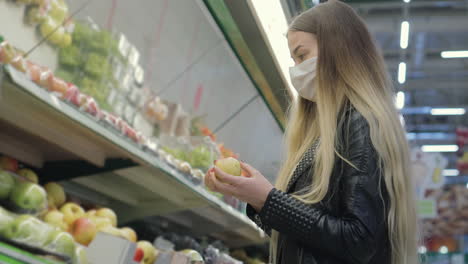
[
  {"x": 19, "y": 63},
  {"x": 195, "y": 257}
]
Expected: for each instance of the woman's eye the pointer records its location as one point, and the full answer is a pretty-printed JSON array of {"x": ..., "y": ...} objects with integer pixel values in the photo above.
[{"x": 301, "y": 57}]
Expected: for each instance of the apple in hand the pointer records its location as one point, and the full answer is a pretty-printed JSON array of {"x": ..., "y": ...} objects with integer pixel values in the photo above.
[
  {"x": 28, "y": 174},
  {"x": 8, "y": 164},
  {"x": 71, "y": 212},
  {"x": 56, "y": 218},
  {"x": 83, "y": 230},
  {"x": 62, "y": 243},
  {"x": 108, "y": 213},
  {"x": 149, "y": 252},
  {"x": 28, "y": 195},
  {"x": 230, "y": 166},
  {"x": 129, "y": 234},
  {"x": 56, "y": 191},
  {"x": 7, "y": 182}
]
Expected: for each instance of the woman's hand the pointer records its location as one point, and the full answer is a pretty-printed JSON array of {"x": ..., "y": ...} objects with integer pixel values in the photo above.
[{"x": 253, "y": 189}]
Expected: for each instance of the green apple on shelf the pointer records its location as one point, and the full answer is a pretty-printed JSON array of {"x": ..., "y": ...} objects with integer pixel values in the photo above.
[
  {"x": 7, "y": 183},
  {"x": 28, "y": 196}
]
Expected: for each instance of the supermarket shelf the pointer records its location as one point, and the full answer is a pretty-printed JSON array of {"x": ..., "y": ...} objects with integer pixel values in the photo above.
[{"x": 40, "y": 128}]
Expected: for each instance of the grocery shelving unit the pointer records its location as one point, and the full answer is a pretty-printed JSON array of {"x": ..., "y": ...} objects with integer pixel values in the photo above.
[{"x": 69, "y": 145}]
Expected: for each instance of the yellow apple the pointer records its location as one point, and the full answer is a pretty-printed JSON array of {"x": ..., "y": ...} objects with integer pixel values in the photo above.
[
  {"x": 129, "y": 234},
  {"x": 56, "y": 191},
  {"x": 230, "y": 166},
  {"x": 90, "y": 213},
  {"x": 83, "y": 230},
  {"x": 107, "y": 213},
  {"x": 112, "y": 231},
  {"x": 149, "y": 252},
  {"x": 56, "y": 218},
  {"x": 28, "y": 174},
  {"x": 100, "y": 222},
  {"x": 71, "y": 212}
]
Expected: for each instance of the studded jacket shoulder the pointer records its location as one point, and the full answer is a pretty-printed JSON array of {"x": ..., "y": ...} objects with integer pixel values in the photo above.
[{"x": 349, "y": 225}]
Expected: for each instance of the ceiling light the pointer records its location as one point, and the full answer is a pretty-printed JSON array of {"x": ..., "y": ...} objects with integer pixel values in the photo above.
[
  {"x": 422, "y": 250},
  {"x": 400, "y": 100},
  {"x": 402, "y": 72},
  {"x": 450, "y": 172},
  {"x": 404, "y": 34},
  {"x": 439, "y": 148},
  {"x": 454, "y": 54},
  {"x": 443, "y": 250},
  {"x": 406, "y": 1},
  {"x": 448, "y": 111}
]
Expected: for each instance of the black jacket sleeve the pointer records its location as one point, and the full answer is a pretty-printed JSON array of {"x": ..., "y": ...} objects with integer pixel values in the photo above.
[{"x": 351, "y": 234}]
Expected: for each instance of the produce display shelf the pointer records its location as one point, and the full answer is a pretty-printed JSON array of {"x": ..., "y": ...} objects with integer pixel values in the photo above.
[{"x": 37, "y": 127}]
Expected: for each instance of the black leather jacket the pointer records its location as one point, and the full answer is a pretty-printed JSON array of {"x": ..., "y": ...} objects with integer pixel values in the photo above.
[{"x": 349, "y": 225}]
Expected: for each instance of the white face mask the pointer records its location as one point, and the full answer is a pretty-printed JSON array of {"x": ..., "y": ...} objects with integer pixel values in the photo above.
[{"x": 302, "y": 78}]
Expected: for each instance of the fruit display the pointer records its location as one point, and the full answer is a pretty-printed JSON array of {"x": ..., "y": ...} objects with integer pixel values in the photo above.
[
  {"x": 52, "y": 19},
  {"x": 28, "y": 230},
  {"x": 452, "y": 212},
  {"x": 21, "y": 194}
]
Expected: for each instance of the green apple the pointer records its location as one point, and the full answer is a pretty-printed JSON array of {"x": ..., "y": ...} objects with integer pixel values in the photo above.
[
  {"x": 62, "y": 243},
  {"x": 27, "y": 229},
  {"x": 7, "y": 182},
  {"x": 56, "y": 191},
  {"x": 80, "y": 255},
  {"x": 28, "y": 174},
  {"x": 28, "y": 196},
  {"x": 6, "y": 218}
]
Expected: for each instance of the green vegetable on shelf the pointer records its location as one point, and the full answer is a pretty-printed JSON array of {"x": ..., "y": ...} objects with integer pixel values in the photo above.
[
  {"x": 201, "y": 157},
  {"x": 96, "y": 66},
  {"x": 82, "y": 34},
  {"x": 70, "y": 56},
  {"x": 65, "y": 75}
]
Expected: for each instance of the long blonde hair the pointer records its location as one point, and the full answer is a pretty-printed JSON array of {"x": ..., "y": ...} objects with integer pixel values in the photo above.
[{"x": 350, "y": 71}]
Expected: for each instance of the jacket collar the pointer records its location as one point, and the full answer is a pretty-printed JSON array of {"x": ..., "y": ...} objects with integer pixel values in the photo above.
[{"x": 304, "y": 164}]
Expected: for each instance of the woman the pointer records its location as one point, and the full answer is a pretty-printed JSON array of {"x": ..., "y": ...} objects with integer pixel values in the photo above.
[{"x": 344, "y": 193}]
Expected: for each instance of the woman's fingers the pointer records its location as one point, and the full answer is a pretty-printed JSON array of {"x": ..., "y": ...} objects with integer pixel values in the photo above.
[
  {"x": 227, "y": 178},
  {"x": 222, "y": 187},
  {"x": 209, "y": 181},
  {"x": 249, "y": 169}
]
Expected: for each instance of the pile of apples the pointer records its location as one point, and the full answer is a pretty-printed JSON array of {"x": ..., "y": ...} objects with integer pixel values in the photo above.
[{"x": 85, "y": 225}]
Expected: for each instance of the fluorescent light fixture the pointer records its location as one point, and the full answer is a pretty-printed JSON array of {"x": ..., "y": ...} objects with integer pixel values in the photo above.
[
  {"x": 454, "y": 54},
  {"x": 400, "y": 100},
  {"x": 443, "y": 250},
  {"x": 422, "y": 250},
  {"x": 448, "y": 111},
  {"x": 450, "y": 172},
  {"x": 439, "y": 148},
  {"x": 402, "y": 72},
  {"x": 406, "y": 1},
  {"x": 271, "y": 18},
  {"x": 404, "y": 34}
]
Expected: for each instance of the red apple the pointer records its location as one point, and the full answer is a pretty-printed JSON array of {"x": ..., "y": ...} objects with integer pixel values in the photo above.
[
  {"x": 83, "y": 230},
  {"x": 8, "y": 164},
  {"x": 58, "y": 86}
]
